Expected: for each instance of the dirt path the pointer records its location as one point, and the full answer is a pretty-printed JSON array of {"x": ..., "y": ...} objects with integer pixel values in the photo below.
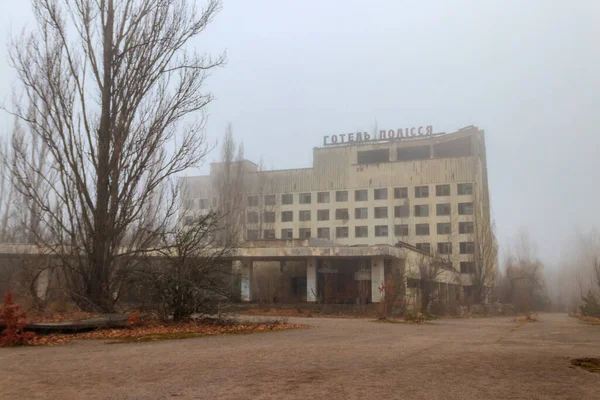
[{"x": 334, "y": 359}]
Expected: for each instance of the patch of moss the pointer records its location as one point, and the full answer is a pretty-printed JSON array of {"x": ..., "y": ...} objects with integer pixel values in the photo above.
[{"x": 589, "y": 364}]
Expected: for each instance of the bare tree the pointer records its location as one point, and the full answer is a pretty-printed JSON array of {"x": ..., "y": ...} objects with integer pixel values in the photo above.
[
  {"x": 105, "y": 87},
  {"x": 430, "y": 270},
  {"x": 485, "y": 250}
]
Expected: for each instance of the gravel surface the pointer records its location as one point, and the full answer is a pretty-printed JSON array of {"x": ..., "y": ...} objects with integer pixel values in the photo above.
[{"x": 486, "y": 358}]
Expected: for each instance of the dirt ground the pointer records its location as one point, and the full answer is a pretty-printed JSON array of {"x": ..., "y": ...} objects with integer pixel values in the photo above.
[{"x": 487, "y": 358}]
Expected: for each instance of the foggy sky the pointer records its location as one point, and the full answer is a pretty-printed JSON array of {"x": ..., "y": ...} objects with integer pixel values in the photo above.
[{"x": 527, "y": 72}]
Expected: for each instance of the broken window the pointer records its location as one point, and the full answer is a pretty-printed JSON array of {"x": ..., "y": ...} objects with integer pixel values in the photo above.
[
  {"x": 381, "y": 230},
  {"x": 203, "y": 204},
  {"x": 401, "y": 230},
  {"x": 422, "y": 210},
  {"x": 467, "y": 267},
  {"x": 252, "y": 217},
  {"x": 373, "y": 156},
  {"x": 422, "y": 229},
  {"x": 361, "y": 231},
  {"x": 444, "y": 228},
  {"x": 412, "y": 153},
  {"x": 305, "y": 198},
  {"x": 252, "y": 234},
  {"x": 445, "y": 248},
  {"x": 304, "y": 233},
  {"x": 269, "y": 216},
  {"x": 361, "y": 195},
  {"x": 465, "y": 227},
  {"x": 401, "y": 211},
  {"x": 287, "y": 216},
  {"x": 323, "y": 233},
  {"x": 401, "y": 193},
  {"x": 380, "y": 194},
  {"x": 467, "y": 248},
  {"x": 381, "y": 212},
  {"x": 269, "y": 234},
  {"x": 421, "y": 191},
  {"x": 453, "y": 148},
  {"x": 465, "y": 208},
  {"x": 341, "y": 214},
  {"x": 361, "y": 213},
  {"x": 341, "y": 232},
  {"x": 323, "y": 215},
  {"x": 465, "y": 188},
  {"x": 252, "y": 201},
  {"x": 442, "y": 190},
  {"x": 424, "y": 246},
  {"x": 341, "y": 195},
  {"x": 287, "y": 233},
  {"x": 287, "y": 199},
  {"x": 442, "y": 209},
  {"x": 323, "y": 197},
  {"x": 304, "y": 215}
]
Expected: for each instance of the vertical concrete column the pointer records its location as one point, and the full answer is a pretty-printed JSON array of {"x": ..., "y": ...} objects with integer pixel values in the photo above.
[
  {"x": 311, "y": 279},
  {"x": 247, "y": 274},
  {"x": 377, "y": 278}
]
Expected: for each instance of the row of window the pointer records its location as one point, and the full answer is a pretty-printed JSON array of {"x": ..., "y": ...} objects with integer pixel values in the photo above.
[
  {"x": 342, "y": 195},
  {"x": 446, "y": 247},
  {"x": 421, "y": 210},
  {"x": 363, "y": 232}
]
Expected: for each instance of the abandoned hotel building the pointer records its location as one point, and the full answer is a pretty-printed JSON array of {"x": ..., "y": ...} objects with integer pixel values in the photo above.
[{"x": 369, "y": 204}]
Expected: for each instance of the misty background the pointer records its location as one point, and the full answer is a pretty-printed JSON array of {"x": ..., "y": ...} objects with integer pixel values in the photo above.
[{"x": 525, "y": 72}]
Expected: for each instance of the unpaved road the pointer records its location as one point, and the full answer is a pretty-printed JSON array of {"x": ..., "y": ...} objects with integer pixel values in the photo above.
[{"x": 492, "y": 358}]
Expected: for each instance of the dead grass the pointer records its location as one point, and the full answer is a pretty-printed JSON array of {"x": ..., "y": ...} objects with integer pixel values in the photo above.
[
  {"x": 589, "y": 364},
  {"x": 590, "y": 320}
]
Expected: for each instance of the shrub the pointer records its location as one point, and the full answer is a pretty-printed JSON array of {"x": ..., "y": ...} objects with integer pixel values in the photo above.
[
  {"x": 591, "y": 305},
  {"x": 14, "y": 323}
]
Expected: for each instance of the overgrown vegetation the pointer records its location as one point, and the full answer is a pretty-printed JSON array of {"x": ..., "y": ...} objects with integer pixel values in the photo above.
[{"x": 13, "y": 322}]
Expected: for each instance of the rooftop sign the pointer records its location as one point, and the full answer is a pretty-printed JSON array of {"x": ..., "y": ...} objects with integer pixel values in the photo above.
[{"x": 361, "y": 137}]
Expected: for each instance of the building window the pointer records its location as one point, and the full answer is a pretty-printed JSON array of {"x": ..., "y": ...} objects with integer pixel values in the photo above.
[
  {"x": 401, "y": 193},
  {"x": 304, "y": 215},
  {"x": 323, "y": 197},
  {"x": 381, "y": 230},
  {"x": 287, "y": 216},
  {"x": 252, "y": 201},
  {"x": 203, "y": 204},
  {"x": 467, "y": 248},
  {"x": 465, "y": 227},
  {"x": 252, "y": 217},
  {"x": 422, "y": 210},
  {"x": 361, "y": 195},
  {"x": 444, "y": 248},
  {"x": 381, "y": 212},
  {"x": 287, "y": 199},
  {"x": 269, "y": 217},
  {"x": 424, "y": 247},
  {"x": 444, "y": 228},
  {"x": 380, "y": 194},
  {"x": 465, "y": 208},
  {"x": 361, "y": 231},
  {"x": 467, "y": 267},
  {"x": 413, "y": 153},
  {"x": 422, "y": 229},
  {"x": 269, "y": 234},
  {"x": 401, "y": 230},
  {"x": 442, "y": 209},
  {"x": 373, "y": 156},
  {"x": 341, "y": 195},
  {"x": 304, "y": 198},
  {"x": 270, "y": 200},
  {"x": 188, "y": 221},
  {"x": 252, "y": 234},
  {"x": 342, "y": 214},
  {"x": 214, "y": 202},
  {"x": 304, "y": 233},
  {"x": 421, "y": 191},
  {"x": 361, "y": 213},
  {"x": 401, "y": 211},
  {"x": 323, "y": 233},
  {"x": 323, "y": 215},
  {"x": 465, "y": 188},
  {"x": 341, "y": 232},
  {"x": 287, "y": 233},
  {"x": 442, "y": 190},
  {"x": 188, "y": 204}
]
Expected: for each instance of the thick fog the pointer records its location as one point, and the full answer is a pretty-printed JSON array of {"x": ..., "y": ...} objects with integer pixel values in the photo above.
[{"x": 525, "y": 72}]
